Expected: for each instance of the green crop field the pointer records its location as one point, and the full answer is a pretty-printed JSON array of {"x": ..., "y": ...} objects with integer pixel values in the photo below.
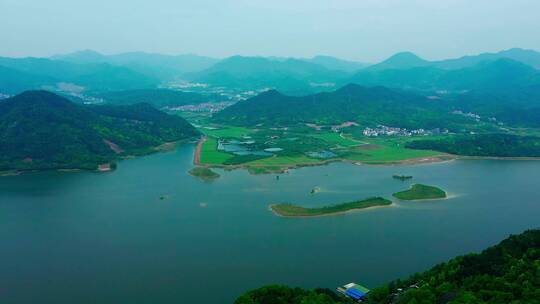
[
  {"x": 233, "y": 132},
  {"x": 210, "y": 155},
  {"x": 295, "y": 145},
  {"x": 337, "y": 139}
]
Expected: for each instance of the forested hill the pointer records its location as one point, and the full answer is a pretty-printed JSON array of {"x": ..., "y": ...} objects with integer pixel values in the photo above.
[
  {"x": 41, "y": 130},
  {"x": 158, "y": 98},
  {"x": 506, "y": 273},
  {"x": 370, "y": 106}
]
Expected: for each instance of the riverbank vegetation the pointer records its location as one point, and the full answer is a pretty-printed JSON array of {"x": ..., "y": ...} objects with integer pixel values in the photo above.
[
  {"x": 420, "y": 192},
  {"x": 204, "y": 173},
  {"x": 483, "y": 145},
  {"x": 290, "y": 210},
  {"x": 280, "y": 294}
]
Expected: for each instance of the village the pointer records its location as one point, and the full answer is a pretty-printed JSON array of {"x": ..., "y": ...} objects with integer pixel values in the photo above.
[{"x": 382, "y": 130}]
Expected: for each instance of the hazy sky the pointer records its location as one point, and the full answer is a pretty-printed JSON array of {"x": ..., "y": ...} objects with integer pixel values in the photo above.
[{"x": 366, "y": 30}]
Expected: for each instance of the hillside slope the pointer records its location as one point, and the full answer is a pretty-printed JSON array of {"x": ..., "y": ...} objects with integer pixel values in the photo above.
[
  {"x": 290, "y": 75},
  {"x": 158, "y": 98},
  {"x": 506, "y": 273},
  {"x": 41, "y": 130},
  {"x": 368, "y": 106}
]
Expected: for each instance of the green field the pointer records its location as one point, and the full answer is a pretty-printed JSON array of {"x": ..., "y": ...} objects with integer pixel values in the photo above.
[
  {"x": 337, "y": 139},
  {"x": 387, "y": 150},
  {"x": 232, "y": 132},
  {"x": 297, "y": 143},
  {"x": 290, "y": 210},
  {"x": 420, "y": 192},
  {"x": 210, "y": 155}
]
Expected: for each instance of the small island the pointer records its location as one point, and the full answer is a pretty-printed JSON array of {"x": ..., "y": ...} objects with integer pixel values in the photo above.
[
  {"x": 402, "y": 177},
  {"x": 204, "y": 173},
  {"x": 290, "y": 210},
  {"x": 420, "y": 192}
]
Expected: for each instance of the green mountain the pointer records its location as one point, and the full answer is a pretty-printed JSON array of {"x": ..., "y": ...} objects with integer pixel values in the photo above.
[
  {"x": 491, "y": 75},
  {"x": 290, "y": 75},
  {"x": 368, "y": 106},
  {"x": 505, "y": 273},
  {"x": 528, "y": 57},
  {"x": 487, "y": 75},
  {"x": 41, "y": 130},
  {"x": 162, "y": 67},
  {"x": 403, "y": 60},
  {"x": 408, "y": 60},
  {"x": 158, "y": 98},
  {"x": 35, "y": 73},
  {"x": 336, "y": 64},
  {"x": 13, "y": 81}
]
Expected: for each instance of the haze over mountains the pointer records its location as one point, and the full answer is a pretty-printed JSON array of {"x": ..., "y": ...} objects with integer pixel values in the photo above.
[{"x": 89, "y": 71}]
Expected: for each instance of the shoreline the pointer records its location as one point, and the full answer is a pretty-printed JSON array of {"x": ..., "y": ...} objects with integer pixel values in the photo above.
[
  {"x": 198, "y": 149},
  {"x": 329, "y": 214},
  {"x": 164, "y": 147},
  {"x": 285, "y": 167},
  {"x": 444, "y": 158}
]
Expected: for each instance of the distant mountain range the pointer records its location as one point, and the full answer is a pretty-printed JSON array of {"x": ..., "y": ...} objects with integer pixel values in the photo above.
[
  {"x": 92, "y": 72},
  {"x": 293, "y": 76},
  {"x": 35, "y": 73},
  {"x": 407, "y": 60},
  {"x": 41, "y": 130},
  {"x": 162, "y": 67},
  {"x": 515, "y": 67},
  {"x": 487, "y": 75}
]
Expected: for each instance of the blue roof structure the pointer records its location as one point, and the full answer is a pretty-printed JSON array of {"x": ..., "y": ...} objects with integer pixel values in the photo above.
[{"x": 354, "y": 293}]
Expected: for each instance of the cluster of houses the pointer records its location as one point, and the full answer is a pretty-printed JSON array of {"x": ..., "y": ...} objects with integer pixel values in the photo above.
[
  {"x": 4, "y": 96},
  {"x": 210, "y": 107},
  {"x": 469, "y": 114},
  {"x": 382, "y": 130},
  {"x": 334, "y": 128}
]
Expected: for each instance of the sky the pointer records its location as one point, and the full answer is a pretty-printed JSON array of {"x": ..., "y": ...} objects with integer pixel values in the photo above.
[{"x": 362, "y": 30}]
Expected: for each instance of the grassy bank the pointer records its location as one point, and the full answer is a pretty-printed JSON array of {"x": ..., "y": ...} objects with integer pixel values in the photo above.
[
  {"x": 297, "y": 211},
  {"x": 420, "y": 192}
]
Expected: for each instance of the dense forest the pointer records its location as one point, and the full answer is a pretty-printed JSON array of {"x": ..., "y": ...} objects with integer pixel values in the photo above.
[
  {"x": 158, "y": 98},
  {"x": 41, "y": 130},
  {"x": 370, "y": 106},
  {"x": 505, "y": 273},
  {"x": 496, "y": 145}
]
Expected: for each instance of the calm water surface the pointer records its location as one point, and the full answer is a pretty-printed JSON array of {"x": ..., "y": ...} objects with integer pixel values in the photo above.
[{"x": 108, "y": 238}]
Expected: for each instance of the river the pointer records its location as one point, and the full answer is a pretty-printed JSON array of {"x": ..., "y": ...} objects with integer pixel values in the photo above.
[{"x": 109, "y": 237}]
